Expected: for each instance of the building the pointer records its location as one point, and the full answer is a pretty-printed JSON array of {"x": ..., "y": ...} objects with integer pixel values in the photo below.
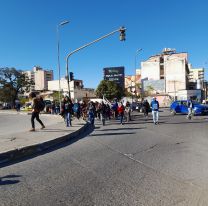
[
  {"x": 77, "y": 90},
  {"x": 167, "y": 73},
  {"x": 196, "y": 74},
  {"x": 40, "y": 78},
  {"x": 115, "y": 74},
  {"x": 133, "y": 83},
  {"x": 196, "y": 78}
]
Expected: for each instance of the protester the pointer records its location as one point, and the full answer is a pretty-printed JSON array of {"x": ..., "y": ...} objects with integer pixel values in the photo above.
[
  {"x": 35, "y": 111},
  {"x": 146, "y": 108},
  {"x": 53, "y": 107},
  {"x": 103, "y": 112},
  {"x": 91, "y": 113},
  {"x": 108, "y": 112},
  {"x": 128, "y": 111},
  {"x": 190, "y": 109},
  {"x": 17, "y": 105},
  {"x": 121, "y": 112},
  {"x": 155, "y": 110},
  {"x": 57, "y": 107},
  {"x": 67, "y": 111},
  {"x": 77, "y": 109},
  {"x": 115, "y": 109}
]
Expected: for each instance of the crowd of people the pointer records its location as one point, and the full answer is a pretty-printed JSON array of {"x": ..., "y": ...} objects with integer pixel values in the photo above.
[{"x": 90, "y": 111}]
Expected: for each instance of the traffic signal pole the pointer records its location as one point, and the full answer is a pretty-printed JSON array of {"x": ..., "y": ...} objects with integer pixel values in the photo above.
[{"x": 122, "y": 38}]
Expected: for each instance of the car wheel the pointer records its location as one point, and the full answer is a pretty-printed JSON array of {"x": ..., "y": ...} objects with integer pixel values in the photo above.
[{"x": 172, "y": 111}]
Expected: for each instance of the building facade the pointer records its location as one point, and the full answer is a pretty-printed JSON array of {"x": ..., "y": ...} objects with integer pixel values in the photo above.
[
  {"x": 169, "y": 74},
  {"x": 76, "y": 89},
  {"x": 40, "y": 78}
]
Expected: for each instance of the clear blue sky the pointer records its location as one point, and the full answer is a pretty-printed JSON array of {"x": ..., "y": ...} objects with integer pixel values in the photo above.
[{"x": 28, "y": 33}]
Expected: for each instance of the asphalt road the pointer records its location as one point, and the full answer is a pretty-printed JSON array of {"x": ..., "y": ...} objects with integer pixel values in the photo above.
[{"x": 132, "y": 164}]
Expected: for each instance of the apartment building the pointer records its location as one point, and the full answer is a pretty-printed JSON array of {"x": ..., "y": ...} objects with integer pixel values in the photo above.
[
  {"x": 77, "y": 90},
  {"x": 40, "y": 78},
  {"x": 168, "y": 74}
]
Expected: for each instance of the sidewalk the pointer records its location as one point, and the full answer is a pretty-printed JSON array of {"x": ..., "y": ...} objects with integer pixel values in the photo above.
[{"x": 17, "y": 145}]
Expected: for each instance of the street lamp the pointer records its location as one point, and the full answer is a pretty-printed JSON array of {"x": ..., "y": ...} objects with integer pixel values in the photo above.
[
  {"x": 137, "y": 52},
  {"x": 122, "y": 38},
  {"x": 58, "y": 55}
]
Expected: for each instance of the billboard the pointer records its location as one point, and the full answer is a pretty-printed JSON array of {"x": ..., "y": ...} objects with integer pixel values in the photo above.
[{"x": 115, "y": 74}]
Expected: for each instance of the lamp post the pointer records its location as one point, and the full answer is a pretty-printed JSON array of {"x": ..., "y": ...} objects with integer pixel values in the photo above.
[
  {"x": 122, "y": 38},
  {"x": 135, "y": 61},
  {"x": 58, "y": 55}
]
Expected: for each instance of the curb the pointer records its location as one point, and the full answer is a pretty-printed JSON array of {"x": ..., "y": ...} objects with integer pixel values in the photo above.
[{"x": 38, "y": 148}]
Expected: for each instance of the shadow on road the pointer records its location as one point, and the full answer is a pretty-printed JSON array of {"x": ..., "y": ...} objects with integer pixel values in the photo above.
[
  {"x": 107, "y": 134},
  {"x": 190, "y": 122},
  {"x": 7, "y": 180},
  {"x": 116, "y": 129}
]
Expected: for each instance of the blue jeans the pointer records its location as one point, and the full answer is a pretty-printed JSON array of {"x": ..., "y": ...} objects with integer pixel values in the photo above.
[
  {"x": 68, "y": 119},
  {"x": 91, "y": 118},
  {"x": 155, "y": 116}
]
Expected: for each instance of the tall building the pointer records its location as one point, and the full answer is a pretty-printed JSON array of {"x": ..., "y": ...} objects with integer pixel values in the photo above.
[
  {"x": 115, "y": 74},
  {"x": 196, "y": 74},
  {"x": 40, "y": 78},
  {"x": 166, "y": 73}
]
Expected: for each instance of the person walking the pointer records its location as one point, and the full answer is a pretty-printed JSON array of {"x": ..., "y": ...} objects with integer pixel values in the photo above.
[
  {"x": 155, "y": 110},
  {"x": 77, "y": 109},
  {"x": 115, "y": 109},
  {"x": 128, "y": 111},
  {"x": 103, "y": 112},
  {"x": 190, "y": 109},
  {"x": 146, "y": 108},
  {"x": 121, "y": 112},
  {"x": 17, "y": 105},
  {"x": 35, "y": 111},
  {"x": 67, "y": 110},
  {"x": 91, "y": 113}
]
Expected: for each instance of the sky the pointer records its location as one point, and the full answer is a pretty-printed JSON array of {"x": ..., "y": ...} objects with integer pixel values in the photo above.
[{"x": 28, "y": 34}]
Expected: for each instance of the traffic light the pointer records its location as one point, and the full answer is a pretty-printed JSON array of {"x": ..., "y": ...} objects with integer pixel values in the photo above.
[
  {"x": 71, "y": 75},
  {"x": 122, "y": 33}
]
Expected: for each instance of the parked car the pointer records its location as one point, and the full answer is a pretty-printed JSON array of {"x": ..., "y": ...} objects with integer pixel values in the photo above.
[
  {"x": 181, "y": 106},
  {"x": 26, "y": 107},
  {"x": 48, "y": 104},
  {"x": 5, "y": 106}
]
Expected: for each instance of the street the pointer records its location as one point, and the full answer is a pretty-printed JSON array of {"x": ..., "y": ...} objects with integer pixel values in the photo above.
[{"x": 134, "y": 164}]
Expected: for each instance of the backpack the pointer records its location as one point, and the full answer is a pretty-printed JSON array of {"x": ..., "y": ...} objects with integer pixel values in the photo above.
[
  {"x": 40, "y": 104},
  {"x": 76, "y": 107}
]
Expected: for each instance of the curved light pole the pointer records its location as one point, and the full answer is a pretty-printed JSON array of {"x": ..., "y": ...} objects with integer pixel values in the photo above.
[
  {"x": 58, "y": 55},
  {"x": 122, "y": 38},
  {"x": 135, "y": 60}
]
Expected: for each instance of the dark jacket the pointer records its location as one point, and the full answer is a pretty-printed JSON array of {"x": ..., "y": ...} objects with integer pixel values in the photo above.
[{"x": 67, "y": 107}]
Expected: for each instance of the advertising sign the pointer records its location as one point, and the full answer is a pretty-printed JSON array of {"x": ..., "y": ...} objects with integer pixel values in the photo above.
[{"x": 115, "y": 74}]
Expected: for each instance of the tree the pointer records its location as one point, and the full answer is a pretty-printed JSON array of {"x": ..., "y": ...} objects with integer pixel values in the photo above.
[
  {"x": 12, "y": 83},
  {"x": 149, "y": 90},
  {"x": 55, "y": 96},
  {"x": 109, "y": 89}
]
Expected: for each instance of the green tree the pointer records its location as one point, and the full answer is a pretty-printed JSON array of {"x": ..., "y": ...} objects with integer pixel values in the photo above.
[
  {"x": 149, "y": 90},
  {"x": 55, "y": 96},
  {"x": 12, "y": 83},
  {"x": 109, "y": 89}
]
